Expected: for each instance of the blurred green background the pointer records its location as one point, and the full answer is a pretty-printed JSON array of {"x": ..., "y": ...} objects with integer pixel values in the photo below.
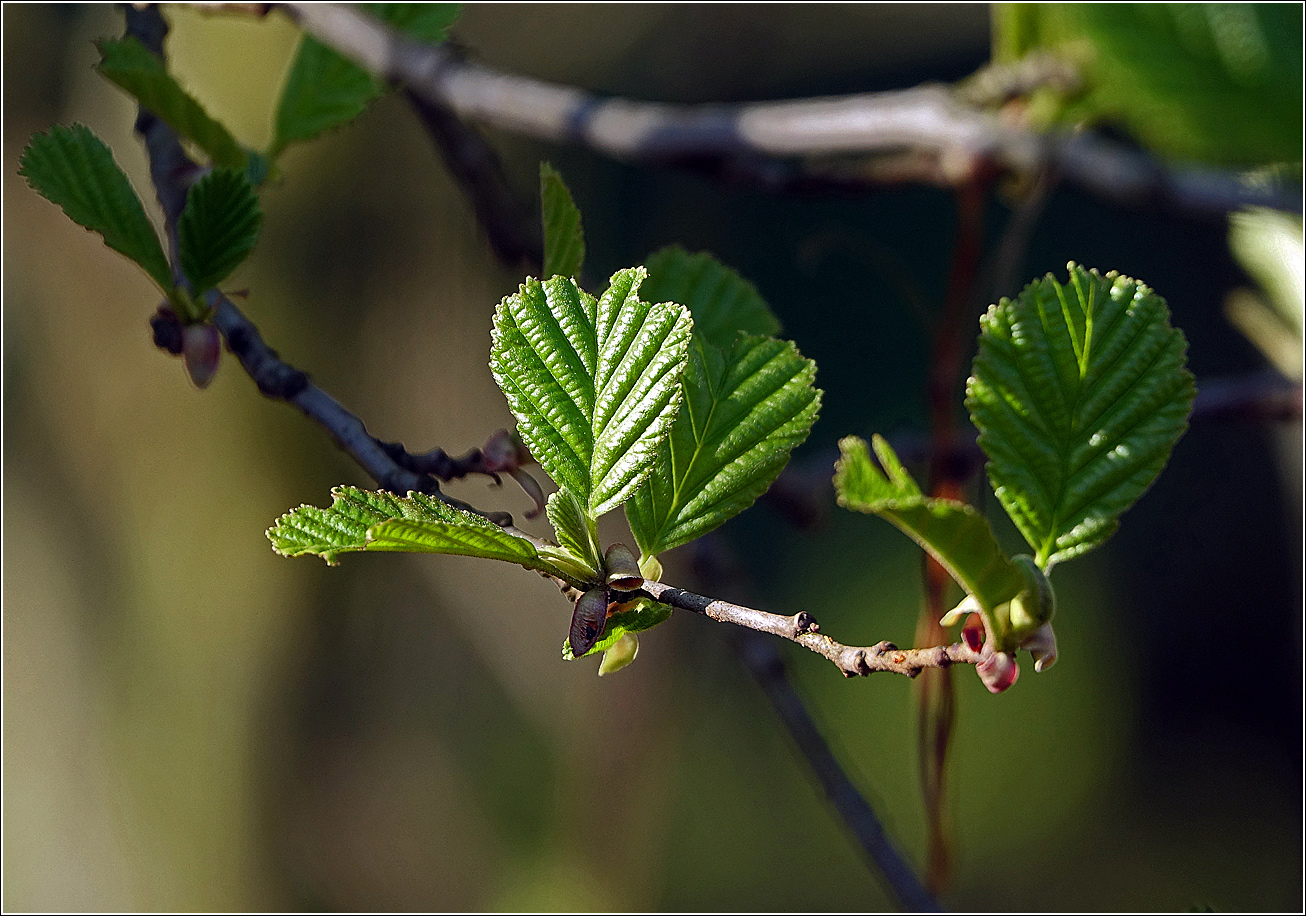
[{"x": 192, "y": 722}]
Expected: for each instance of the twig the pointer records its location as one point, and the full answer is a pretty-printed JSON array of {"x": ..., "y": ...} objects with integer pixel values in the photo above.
[
  {"x": 927, "y": 121},
  {"x": 802, "y": 628}
]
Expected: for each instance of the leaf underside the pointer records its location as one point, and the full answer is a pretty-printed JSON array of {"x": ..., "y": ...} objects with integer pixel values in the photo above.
[
  {"x": 743, "y": 412},
  {"x": 952, "y": 532},
  {"x": 129, "y": 65},
  {"x": 1079, "y": 393},
  {"x": 380, "y": 521},
  {"x": 218, "y": 227},
  {"x": 564, "y": 239},
  {"x": 594, "y": 385},
  {"x": 72, "y": 167}
]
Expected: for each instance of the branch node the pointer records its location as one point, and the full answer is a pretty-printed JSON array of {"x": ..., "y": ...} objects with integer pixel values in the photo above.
[{"x": 805, "y": 623}]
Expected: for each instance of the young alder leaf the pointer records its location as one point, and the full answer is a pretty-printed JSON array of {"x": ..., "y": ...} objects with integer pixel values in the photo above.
[
  {"x": 129, "y": 65},
  {"x": 324, "y": 90},
  {"x": 721, "y": 302},
  {"x": 564, "y": 239},
  {"x": 71, "y": 167},
  {"x": 218, "y": 227},
  {"x": 1079, "y": 393},
  {"x": 380, "y": 521},
  {"x": 641, "y": 615},
  {"x": 952, "y": 532},
  {"x": 594, "y": 386},
  {"x": 744, "y": 411},
  {"x": 575, "y": 530}
]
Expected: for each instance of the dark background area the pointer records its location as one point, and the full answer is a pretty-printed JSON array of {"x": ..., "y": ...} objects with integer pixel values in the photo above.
[{"x": 193, "y": 722}]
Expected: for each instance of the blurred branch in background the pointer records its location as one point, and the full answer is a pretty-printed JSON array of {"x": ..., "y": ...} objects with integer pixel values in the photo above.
[{"x": 939, "y": 132}]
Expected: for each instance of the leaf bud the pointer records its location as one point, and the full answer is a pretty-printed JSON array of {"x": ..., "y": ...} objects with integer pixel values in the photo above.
[
  {"x": 588, "y": 620},
  {"x": 201, "y": 348},
  {"x": 620, "y": 654},
  {"x": 623, "y": 572}
]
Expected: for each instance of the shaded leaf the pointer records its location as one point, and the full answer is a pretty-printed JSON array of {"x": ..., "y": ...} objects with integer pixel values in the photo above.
[
  {"x": 721, "y": 302},
  {"x": 952, "y": 532},
  {"x": 129, "y": 65},
  {"x": 218, "y": 227},
  {"x": 594, "y": 385},
  {"x": 1079, "y": 393},
  {"x": 564, "y": 239},
  {"x": 743, "y": 412},
  {"x": 574, "y": 529},
  {"x": 325, "y": 90},
  {"x": 71, "y": 167}
]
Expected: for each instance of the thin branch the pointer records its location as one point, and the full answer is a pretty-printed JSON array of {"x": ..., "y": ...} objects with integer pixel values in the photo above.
[
  {"x": 802, "y": 628},
  {"x": 927, "y": 121}
]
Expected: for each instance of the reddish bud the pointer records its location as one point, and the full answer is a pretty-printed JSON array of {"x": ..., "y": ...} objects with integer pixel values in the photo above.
[{"x": 201, "y": 349}]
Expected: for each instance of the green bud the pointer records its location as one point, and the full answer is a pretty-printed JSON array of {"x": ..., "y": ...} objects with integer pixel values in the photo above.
[{"x": 620, "y": 654}]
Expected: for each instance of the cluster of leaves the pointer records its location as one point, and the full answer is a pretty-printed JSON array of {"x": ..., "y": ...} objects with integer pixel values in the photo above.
[
  {"x": 682, "y": 414},
  {"x": 219, "y": 225},
  {"x": 1079, "y": 393}
]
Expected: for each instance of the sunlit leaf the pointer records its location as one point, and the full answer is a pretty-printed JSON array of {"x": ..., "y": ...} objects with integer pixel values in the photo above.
[
  {"x": 1079, "y": 393},
  {"x": 744, "y": 411},
  {"x": 641, "y": 615},
  {"x": 594, "y": 385},
  {"x": 953, "y": 532},
  {"x": 722, "y": 302}
]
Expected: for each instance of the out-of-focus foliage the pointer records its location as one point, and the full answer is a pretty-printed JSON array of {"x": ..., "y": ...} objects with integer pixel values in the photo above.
[
  {"x": 1268, "y": 244},
  {"x": 1218, "y": 82}
]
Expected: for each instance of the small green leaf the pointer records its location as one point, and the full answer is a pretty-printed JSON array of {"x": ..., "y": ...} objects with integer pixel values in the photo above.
[
  {"x": 575, "y": 530},
  {"x": 71, "y": 167},
  {"x": 130, "y": 65},
  {"x": 1079, "y": 393},
  {"x": 744, "y": 411},
  {"x": 564, "y": 240},
  {"x": 594, "y": 386},
  {"x": 721, "y": 302},
  {"x": 952, "y": 532},
  {"x": 380, "y": 521},
  {"x": 218, "y": 227},
  {"x": 324, "y": 90},
  {"x": 643, "y": 614}
]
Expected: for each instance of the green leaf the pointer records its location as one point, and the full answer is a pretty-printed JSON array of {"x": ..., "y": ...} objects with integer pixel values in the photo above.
[
  {"x": 594, "y": 386},
  {"x": 643, "y": 614},
  {"x": 721, "y": 302},
  {"x": 744, "y": 411},
  {"x": 130, "y": 65},
  {"x": 1079, "y": 393},
  {"x": 71, "y": 167},
  {"x": 952, "y": 532},
  {"x": 564, "y": 240},
  {"x": 325, "y": 90},
  {"x": 1219, "y": 82},
  {"x": 575, "y": 530},
  {"x": 218, "y": 227},
  {"x": 380, "y": 521}
]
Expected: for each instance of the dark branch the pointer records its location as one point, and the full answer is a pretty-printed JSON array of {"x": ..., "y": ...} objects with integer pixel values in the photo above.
[{"x": 939, "y": 133}]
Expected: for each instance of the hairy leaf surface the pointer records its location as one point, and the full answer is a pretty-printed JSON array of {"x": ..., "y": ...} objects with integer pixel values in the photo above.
[
  {"x": 380, "y": 521},
  {"x": 325, "y": 90},
  {"x": 129, "y": 65},
  {"x": 594, "y": 386},
  {"x": 564, "y": 239},
  {"x": 1079, "y": 393},
  {"x": 952, "y": 532},
  {"x": 722, "y": 302},
  {"x": 744, "y": 411},
  {"x": 71, "y": 167},
  {"x": 218, "y": 227}
]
